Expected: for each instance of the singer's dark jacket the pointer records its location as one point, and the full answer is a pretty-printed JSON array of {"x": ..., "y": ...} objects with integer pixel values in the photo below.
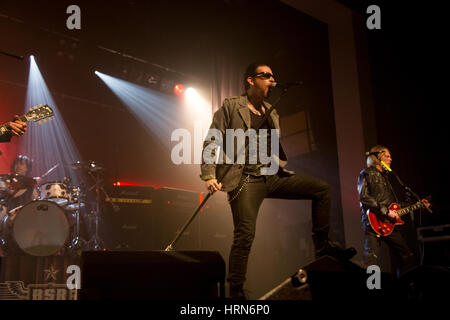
[
  {"x": 375, "y": 193},
  {"x": 235, "y": 114}
]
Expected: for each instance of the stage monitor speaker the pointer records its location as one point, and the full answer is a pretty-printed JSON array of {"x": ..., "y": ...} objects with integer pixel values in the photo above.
[
  {"x": 330, "y": 279},
  {"x": 152, "y": 275},
  {"x": 293, "y": 288}
]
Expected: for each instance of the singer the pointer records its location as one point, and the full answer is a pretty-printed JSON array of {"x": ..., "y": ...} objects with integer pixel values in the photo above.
[
  {"x": 247, "y": 187},
  {"x": 376, "y": 194}
]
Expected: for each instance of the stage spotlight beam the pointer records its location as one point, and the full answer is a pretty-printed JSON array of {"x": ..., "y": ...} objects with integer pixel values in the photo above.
[
  {"x": 51, "y": 143},
  {"x": 157, "y": 112}
]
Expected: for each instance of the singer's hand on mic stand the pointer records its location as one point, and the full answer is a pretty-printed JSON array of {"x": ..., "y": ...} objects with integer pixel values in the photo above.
[{"x": 212, "y": 185}]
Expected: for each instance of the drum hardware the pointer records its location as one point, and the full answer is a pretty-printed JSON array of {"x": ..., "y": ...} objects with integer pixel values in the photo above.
[
  {"x": 47, "y": 173},
  {"x": 77, "y": 243},
  {"x": 96, "y": 243},
  {"x": 90, "y": 166},
  {"x": 95, "y": 170},
  {"x": 57, "y": 200}
]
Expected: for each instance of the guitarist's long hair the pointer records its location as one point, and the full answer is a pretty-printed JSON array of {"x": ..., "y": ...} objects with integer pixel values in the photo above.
[{"x": 374, "y": 160}]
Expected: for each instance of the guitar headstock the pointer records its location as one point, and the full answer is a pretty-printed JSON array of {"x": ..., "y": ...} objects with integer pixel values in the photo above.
[{"x": 39, "y": 113}]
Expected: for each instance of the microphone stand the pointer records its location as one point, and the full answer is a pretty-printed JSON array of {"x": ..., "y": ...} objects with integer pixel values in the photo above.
[
  {"x": 11, "y": 55},
  {"x": 408, "y": 190},
  {"x": 266, "y": 115}
]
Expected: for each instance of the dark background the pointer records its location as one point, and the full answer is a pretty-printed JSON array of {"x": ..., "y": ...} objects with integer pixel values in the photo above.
[{"x": 406, "y": 65}]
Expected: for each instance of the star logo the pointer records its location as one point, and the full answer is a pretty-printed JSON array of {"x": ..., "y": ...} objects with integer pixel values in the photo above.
[{"x": 51, "y": 273}]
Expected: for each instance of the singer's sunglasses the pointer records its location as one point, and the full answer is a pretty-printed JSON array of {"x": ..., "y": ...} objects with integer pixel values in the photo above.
[{"x": 263, "y": 75}]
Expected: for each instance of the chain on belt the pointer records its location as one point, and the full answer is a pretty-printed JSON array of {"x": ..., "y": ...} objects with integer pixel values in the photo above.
[{"x": 244, "y": 183}]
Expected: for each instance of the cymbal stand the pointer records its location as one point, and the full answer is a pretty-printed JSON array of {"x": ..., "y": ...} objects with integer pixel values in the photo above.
[
  {"x": 96, "y": 243},
  {"x": 77, "y": 243}
]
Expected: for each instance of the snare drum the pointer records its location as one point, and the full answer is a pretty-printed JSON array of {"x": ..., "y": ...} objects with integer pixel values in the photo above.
[
  {"x": 39, "y": 228},
  {"x": 55, "y": 191}
]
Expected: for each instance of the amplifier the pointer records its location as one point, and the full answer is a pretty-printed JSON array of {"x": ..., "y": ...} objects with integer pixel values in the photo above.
[
  {"x": 435, "y": 244},
  {"x": 131, "y": 227},
  {"x": 173, "y": 208},
  {"x": 131, "y": 195},
  {"x": 434, "y": 233},
  {"x": 181, "y": 199}
]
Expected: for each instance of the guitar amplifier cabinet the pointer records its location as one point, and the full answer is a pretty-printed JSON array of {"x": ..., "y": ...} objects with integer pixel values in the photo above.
[
  {"x": 173, "y": 209},
  {"x": 131, "y": 227},
  {"x": 435, "y": 244}
]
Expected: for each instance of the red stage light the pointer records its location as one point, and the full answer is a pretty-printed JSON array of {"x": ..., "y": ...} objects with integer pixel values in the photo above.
[{"x": 178, "y": 89}]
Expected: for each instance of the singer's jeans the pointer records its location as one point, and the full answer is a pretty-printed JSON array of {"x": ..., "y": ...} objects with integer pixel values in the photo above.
[{"x": 246, "y": 206}]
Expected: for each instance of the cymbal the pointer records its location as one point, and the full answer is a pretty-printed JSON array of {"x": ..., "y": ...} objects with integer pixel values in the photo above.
[{"x": 91, "y": 166}]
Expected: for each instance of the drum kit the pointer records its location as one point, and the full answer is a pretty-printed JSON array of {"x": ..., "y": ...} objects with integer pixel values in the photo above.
[{"x": 50, "y": 224}]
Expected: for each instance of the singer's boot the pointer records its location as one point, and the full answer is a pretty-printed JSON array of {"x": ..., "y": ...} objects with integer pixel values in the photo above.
[{"x": 325, "y": 247}]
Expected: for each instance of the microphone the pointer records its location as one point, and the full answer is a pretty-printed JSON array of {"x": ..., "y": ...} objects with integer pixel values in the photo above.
[{"x": 286, "y": 85}]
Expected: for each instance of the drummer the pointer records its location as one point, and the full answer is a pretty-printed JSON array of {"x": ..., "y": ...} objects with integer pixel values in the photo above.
[{"x": 23, "y": 187}]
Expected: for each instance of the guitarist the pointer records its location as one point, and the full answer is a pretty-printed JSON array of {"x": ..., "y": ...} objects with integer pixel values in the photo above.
[
  {"x": 376, "y": 194},
  {"x": 16, "y": 128}
]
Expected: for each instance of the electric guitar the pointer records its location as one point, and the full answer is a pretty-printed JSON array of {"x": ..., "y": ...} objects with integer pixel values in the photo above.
[
  {"x": 36, "y": 114},
  {"x": 384, "y": 226}
]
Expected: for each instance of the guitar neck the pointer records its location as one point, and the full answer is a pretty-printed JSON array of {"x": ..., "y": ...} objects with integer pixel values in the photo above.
[
  {"x": 4, "y": 127},
  {"x": 406, "y": 210}
]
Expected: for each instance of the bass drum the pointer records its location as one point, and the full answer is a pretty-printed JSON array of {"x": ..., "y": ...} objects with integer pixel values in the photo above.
[{"x": 39, "y": 228}]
